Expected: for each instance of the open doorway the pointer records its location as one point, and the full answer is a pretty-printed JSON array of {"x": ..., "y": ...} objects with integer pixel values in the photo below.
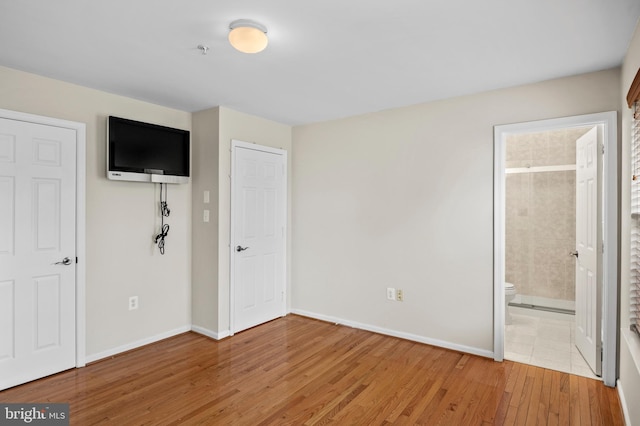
[
  {"x": 551, "y": 275},
  {"x": 540, "y": 250}
]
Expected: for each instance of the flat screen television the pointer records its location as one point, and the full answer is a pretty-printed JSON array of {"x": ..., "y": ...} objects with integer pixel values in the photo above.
[{"x": 144, "y": 152}]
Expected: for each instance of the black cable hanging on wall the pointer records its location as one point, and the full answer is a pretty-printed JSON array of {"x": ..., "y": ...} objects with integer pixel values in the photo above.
[{"x": 164, "y": 212}]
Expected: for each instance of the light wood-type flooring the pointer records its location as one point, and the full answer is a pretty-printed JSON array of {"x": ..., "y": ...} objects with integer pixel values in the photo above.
[{"x": 299, "y": 371}]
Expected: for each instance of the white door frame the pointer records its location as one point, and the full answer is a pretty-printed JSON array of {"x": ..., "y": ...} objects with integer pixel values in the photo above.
[
  {"x": 608, "y": 120},
  {"x": 80, "y": 265},
  {"x": 249, "y": 145}
]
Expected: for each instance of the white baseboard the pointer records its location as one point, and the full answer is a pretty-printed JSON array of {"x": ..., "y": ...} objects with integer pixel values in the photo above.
[
  {"x": 226, "y": 333},
  {"x": 623, "y": 403},
  {"x": 136, "y": 344},
  {"x": 210, "y": 333},
  {"x": 394, "y": 333}
]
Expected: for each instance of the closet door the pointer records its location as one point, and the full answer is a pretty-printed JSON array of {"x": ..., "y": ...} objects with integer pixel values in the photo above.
[{"x": 37, "y": 251}]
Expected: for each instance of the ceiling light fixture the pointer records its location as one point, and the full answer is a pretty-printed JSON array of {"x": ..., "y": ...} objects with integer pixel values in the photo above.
[{"x": 248, "y": 36}]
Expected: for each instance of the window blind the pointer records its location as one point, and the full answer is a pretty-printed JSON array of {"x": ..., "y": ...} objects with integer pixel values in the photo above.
[{"x": 634, "y": 288}]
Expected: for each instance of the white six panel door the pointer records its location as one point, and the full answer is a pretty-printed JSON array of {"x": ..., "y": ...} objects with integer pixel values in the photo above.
[
  {"x": 259, "y": 212},
  {"x": 588, "y": 282},
  {"x": 37, "y": 229}
]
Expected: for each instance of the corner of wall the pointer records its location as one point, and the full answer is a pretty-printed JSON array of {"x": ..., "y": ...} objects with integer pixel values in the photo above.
[{"x": 204, "y": 260}]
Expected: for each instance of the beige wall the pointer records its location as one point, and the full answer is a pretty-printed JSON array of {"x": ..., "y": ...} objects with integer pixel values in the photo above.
[
  {"x": 213, "y": 131},
  {"x": 629, "y": 344},
  {"x": 122, "y": 218},
  {"x": 204, "y": 160},
  {"x": 404, "y": 198},
  {"x": 400, "y": 198}
]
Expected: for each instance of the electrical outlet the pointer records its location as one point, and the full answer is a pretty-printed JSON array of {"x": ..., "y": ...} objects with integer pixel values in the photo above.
[
  {"x": 205, "y": 216},
  {"x": 133, "y": 303},
  {"x": 391, "y": 293},
  {"x": 399, "y": 295}
]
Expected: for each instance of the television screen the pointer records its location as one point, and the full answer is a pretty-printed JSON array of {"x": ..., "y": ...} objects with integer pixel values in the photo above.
[{"x": 147, "y": 152}]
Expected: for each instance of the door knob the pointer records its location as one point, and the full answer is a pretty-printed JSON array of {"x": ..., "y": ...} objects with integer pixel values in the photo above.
[
  {"x": 574, "y": 253},
  {"x": 240, "y": 248},
  {"x": 66, "y": 261}
]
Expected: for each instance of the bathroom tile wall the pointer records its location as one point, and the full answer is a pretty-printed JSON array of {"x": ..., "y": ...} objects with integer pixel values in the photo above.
[{"x": 540, "y": 214}]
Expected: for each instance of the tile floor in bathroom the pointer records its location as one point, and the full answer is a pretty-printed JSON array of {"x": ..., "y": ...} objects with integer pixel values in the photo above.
[{"x": 544, "y": 339}]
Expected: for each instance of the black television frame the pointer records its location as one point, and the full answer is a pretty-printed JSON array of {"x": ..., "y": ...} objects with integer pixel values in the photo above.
[{"x": 156, "y": 148}]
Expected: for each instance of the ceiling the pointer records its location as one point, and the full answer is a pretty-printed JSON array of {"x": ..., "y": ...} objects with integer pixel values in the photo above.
[{"x": 325, "y": 60}]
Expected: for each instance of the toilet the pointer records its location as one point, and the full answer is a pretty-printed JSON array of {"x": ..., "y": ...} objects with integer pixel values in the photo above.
[{"x": 509, "y": 294}]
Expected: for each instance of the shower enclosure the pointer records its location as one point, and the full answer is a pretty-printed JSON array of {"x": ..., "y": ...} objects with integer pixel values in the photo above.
[{"x": 540, "y": 221}]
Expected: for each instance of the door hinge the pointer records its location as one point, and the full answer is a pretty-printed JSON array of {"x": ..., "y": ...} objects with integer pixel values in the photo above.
[{"x": 603, "y": 148}]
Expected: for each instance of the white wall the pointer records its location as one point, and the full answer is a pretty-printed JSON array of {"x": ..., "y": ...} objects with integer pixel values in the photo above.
[
  {"x": 122, "y": 219},
  {"x": 629, "y": 343},
  {"x": 404, "y": 198}
]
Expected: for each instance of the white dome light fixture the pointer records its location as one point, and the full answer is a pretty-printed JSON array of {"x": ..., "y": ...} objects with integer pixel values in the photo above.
[{"x": 248, "y": 36}]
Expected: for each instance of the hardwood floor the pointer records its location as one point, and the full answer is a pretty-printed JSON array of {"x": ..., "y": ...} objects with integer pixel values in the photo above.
[{"x": 297, "y": 371}]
